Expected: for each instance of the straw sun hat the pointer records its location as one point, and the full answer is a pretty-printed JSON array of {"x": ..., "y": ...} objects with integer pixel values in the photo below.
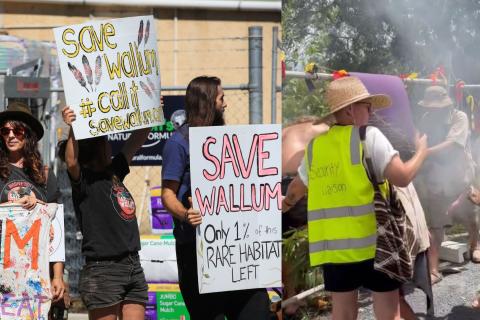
[
  {"x": 436, "y": 97},
  {"x": 347, "y": 90}
]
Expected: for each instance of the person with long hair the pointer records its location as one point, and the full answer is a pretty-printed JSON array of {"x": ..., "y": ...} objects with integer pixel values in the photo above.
[
  {"x": 23, "y": 177},
  {"x": 112, "y": 282},
  {"x": 204, "y": 105}
]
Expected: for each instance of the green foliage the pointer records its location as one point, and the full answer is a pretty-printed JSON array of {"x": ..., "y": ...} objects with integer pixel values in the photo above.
[
  {"x": 298, "y": 101},
  {"x": 384, "y": 36},
  {"x": 295, "y": 252}
]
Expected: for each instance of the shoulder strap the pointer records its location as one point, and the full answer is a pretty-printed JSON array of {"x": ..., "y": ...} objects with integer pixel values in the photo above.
[
  {"x": 309, "y": 154},
  {"x": 368, "y": 159}
]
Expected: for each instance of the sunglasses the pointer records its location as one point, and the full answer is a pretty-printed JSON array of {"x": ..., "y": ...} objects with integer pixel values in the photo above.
[
  {"x": 367, "y": 104},
  {"x": 18, "y": 132}
]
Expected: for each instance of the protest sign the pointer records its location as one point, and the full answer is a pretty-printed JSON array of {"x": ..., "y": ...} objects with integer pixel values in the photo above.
[
  {"x": 150, "y": 154},
  {"x": 24, "y": 274},
  {"x": 111, "y": 75},
  {"x": 57, "y": 236},
  {"x": 236, "y": 186}
]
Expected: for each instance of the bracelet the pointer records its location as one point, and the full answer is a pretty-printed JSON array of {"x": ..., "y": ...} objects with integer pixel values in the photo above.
[{"x": 185, "y": 216}]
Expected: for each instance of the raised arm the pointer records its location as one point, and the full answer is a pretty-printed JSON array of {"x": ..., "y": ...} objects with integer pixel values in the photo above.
[
  {"x": 402, "y": 173},
  {"x": 135, "y": 142},
  {"x": 71, "y": 149}
]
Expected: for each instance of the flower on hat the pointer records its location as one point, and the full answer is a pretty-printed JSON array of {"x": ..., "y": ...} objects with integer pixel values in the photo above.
[{"x": 339, "y": 74}]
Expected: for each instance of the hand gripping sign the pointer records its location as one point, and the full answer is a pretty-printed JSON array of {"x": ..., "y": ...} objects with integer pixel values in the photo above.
[
  {"x": 236, "y": 186},
  {"x": 111, "y": 75}
]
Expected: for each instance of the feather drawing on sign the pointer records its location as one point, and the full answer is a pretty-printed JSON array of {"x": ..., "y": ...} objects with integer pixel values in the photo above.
[
  {"x": 152, "y": 86},
  {"x": 98, "y": 70},
  {"x": 146, "y": 89},
  {"x": 88, "y": 71},
  {"x": 140, "y": 32},
  {"x": 78, "y": 75},
  {"x": 147, "y": 32}
]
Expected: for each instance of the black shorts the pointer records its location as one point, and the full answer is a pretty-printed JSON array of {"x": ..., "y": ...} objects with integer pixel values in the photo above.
[
  {"x": 351, "y": 276},
  {"x": 107, "y": 283}
]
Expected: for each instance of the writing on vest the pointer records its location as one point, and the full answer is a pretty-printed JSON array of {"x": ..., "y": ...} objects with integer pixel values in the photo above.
[{"x": 341, "y": 218}]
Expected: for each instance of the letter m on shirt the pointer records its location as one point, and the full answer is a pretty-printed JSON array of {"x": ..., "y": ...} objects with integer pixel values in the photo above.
[{"x": 32, "y": 234}]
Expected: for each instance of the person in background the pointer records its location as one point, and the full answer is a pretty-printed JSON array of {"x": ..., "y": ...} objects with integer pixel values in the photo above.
[
  {"x": 204, "y": 105},
  {"x": 342, "y": 224},
  {"x": 446, "y": 174},
  {"x": 416, "y": 216},
  {"x": 295, "y": 137},
  {"x": 23, "y": 177}
]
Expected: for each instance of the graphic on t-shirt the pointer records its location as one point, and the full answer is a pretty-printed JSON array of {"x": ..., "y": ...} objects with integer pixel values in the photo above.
[
  {"x": 14, "y": 190},
  {"x": 123, "y": 202}
]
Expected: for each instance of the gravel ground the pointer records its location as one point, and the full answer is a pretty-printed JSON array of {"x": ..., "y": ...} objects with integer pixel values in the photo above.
[{"x": 452, "y": 298}]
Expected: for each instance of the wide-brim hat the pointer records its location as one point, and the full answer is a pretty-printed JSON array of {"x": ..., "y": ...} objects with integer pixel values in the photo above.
[
  {"x": 21, "y": 112},
  {"x": 436, "y": 97},
  {"x": 347, "y": 90}
]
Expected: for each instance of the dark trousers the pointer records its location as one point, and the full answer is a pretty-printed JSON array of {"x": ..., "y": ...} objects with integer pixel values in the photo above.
[{"x": 250, "y": 304}]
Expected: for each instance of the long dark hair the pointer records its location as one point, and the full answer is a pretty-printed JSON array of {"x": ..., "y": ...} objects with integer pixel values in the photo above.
[
  {"x": 200, "y": 102},
  {"x": 32, "y": 160}
]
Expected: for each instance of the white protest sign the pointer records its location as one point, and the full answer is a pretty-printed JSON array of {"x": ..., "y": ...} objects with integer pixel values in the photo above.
[
  {"x": 57, "y": 236},
  {"x": 24, "y": 255},
  {"x": 111, "y": 75},
  {"x": 236, "y": 186}
]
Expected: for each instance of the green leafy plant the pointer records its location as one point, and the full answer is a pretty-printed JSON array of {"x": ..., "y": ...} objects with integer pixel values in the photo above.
[{"x": 295, "y": 251}]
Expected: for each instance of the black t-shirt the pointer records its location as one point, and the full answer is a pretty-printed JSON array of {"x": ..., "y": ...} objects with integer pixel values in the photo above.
[
  {"x": 19, "y": 184},
  {"x": 106, "y": 212}
]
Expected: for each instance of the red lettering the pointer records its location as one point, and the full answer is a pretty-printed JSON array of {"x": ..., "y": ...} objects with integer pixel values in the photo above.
[
  {"x": 243, "y": 206},
  {"x": 213, "y": 159},
  {"x": 262, "y": 155},
  {"x": 12, "y": 231},
  {"x": 258, "y": 206},
  {"x": 228, "y": 156},
  {"x": 206, "y": 206},
  {"x": 276, "y": 193},
  {"x": 246, "y": 171},
  {"x": 222, "y": 200}
]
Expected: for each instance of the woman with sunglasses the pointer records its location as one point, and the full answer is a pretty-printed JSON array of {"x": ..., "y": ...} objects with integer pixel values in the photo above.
[{"x": 23, "y": 177}]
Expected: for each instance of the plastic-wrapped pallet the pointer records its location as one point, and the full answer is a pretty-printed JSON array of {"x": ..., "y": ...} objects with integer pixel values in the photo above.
[{"x": 158, "y": 258}]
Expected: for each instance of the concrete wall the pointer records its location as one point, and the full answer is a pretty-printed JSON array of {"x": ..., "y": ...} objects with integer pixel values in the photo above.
[{"x": 191, "y": 42}]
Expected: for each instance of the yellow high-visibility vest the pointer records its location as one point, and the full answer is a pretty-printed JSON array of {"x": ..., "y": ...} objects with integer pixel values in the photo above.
[{"x": 341, "y": 218}]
